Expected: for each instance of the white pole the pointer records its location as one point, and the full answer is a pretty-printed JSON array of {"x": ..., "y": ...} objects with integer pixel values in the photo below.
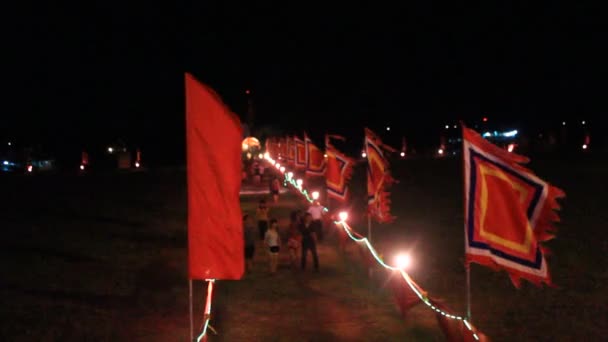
[
  {"x": 191, "y": 312},
  {"x": 369, "y": 238}
]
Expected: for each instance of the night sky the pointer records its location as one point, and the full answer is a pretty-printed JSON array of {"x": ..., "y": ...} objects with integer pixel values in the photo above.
[{"x": 85, "y": 75}]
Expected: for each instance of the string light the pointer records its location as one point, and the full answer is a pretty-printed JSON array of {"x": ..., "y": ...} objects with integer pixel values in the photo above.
[
  {"x": 315, "y": 195},
  {"x": 207, "y": 313},
  {"x": 399, "y": 268}
]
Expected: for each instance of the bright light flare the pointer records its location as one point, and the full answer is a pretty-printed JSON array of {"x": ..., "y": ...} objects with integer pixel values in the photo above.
[
  {"x": 402, "y": 154},
  {"x": 388, "y": 128},
  {"x": 440, "y": 151},
  {"x": 325, "y": 155},
  {"x": 5, "y": 162},
  {"x": 266, "y": 155},
  {"x": 447, "y": 126},
  {"x": 299, "y": 182},
  {"x": 81, "y": 167},
  {"x": 137, "y": 164},
  {"x": 290, "y": 174},
  {"x": 278, "y": 165},
  {"x": 260, "y": 156},
  {"x": 10, "y": 143},
  {"x": 511, "y": 147},
  {"x": 30, "y": 168},
  {"x": 403, "y": 261},
  {"x": 110, "y": 149},
  {"x": 343, "y": 215},
  {"x": 363, "y": 155},
  {"x": 585, "y": 146},
  {"x": 315, "y": 195},
  {"x": 282, "y": 169}
]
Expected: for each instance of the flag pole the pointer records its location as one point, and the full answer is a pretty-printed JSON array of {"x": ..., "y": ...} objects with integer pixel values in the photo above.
[
  {"x": 468, "y": 270},
  {"x": 467, "y": 265},
  {"x": 191, "y": 311},
  {"x": 369, "y": 238}
]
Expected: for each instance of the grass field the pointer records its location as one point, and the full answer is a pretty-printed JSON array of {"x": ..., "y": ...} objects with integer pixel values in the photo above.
[{"x": 103, "y": 258}]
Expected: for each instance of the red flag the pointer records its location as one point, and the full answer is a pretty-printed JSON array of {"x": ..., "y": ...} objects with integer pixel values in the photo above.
[
  {"x": 291, "y": 151},
  {"x": 456, "y": 330},
  {"x": 379, "y": 178},
  {"x": 315, "y": 163},
  {"x": 338, "y": 171},
  {"x": 215, "y": 231},
  {"x": 509, "y": 211},
  {"x": 301, "y": 156},
  {"x": 403, "y": 294}
]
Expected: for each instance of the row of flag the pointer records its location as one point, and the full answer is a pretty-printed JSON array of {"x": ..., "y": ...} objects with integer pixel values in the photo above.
[{"x": 509, "y": 211}]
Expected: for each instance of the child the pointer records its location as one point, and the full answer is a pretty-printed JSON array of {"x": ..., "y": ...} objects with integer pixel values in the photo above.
[
  {"x": 273, "y": 241},
  {"x": 262, "y": 216},
  {"x": 249, "y": 237},
  {"x": 294, "y": 239}
]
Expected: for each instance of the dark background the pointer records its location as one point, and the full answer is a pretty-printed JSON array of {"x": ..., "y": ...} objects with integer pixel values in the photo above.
[{"x": 85, "y": 75}]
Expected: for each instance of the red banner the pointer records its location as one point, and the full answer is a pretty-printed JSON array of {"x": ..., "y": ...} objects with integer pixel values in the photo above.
[
  {"x": 338, "y": 171},
  {"x": 509, "y": 211},
  {"x": 379, "y": 178},
  {"x": 315, "y": 163},
  {"x": 301, "y": 156},
  {"x": 291, "y": 151},
  {"x": 215, "y": 231}
]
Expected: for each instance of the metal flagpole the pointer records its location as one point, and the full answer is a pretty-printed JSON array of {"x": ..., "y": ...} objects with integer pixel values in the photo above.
[
  {"x": 369, "y": 238},
  {"x": 468, "y": 269},
  {"x": 191, "y": 312}
]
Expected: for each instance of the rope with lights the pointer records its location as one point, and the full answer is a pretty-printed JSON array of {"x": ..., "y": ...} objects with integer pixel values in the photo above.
[{"x": 298, "y": 185}]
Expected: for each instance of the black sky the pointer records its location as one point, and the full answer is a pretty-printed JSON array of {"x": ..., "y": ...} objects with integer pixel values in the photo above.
[{"x": 90, "y": 73}]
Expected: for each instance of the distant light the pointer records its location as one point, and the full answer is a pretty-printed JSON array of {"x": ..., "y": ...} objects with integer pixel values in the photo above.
[
  {"x": 10, "y": 143},
  {"x": 485, "y": 119},
  {"x": 388, "y": 128},
  {"x": 585, "y": 146},
  {"x": 363, "y": 154},
  {"x": 290, "y": 174},
  {"x": 260, "y": 156},
  {"x": 248, "y": 155},
  {"x": 266, "y": 155},
  {"x": 247, "y": 92},
  {"x": 245, "y": 147},
  {"x": 455, "y": 126},
  {"x": 5, "y": 162},
  {"x": 30, "y": 168},
  {"x": 110, "y": 150},
  {"x": 511, "y": 147},
  {"x": 583, "y": 122},
  {"x": 440, "y": 151},
  {"x": 510, "y": 133},
  {"x": 81, "y": 167},
  {"x": 563, "y": 123},
  {"x": 403, "y": 261},
  {"x": 447, "y": 126},
  {"x": 137, "y": 164},
  {"x": 282, "y": 169},
  {"x": 299, "y": 182},
  {"x": 325, "y": 155},
  {"x": 487, "y": 134},
  {"x": 277, "y": 165},
  {"x": 315, "y": 195},
  {"x": 343, "y": 215},
  {"x": 403, "y": 154}
]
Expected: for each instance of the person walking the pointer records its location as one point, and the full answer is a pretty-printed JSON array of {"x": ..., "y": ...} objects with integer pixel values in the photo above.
[
  {"x": 261, "y": 214},
  {"x": 316, "y": 211},
  {"x": 294, "y": 239},
  {"x": 249, "y": 237},
  {"x": 309, "y": 242},
  {"x": 273, "y": 242},
  {"x": 275, "y": 187}
]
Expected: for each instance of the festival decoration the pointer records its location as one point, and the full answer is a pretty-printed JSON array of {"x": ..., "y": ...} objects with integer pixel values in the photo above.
[
  {"x": 301, "y": 157},
  {"x": 315, "y": 160},
  {"x": 379, "y": 178},
  {"x": 509, "y": 211},
  {"x": 338, "y": 171}
]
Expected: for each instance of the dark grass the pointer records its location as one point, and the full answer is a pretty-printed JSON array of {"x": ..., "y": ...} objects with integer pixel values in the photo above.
[{"x": 103, "y": 258}]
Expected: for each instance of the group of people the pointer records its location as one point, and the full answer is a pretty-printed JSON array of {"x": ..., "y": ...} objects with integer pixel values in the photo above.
[{"x": 304, "y": 232}]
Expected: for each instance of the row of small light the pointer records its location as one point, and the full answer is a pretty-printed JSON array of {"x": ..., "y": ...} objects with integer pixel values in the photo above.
[{"x": 402, "y": 260}]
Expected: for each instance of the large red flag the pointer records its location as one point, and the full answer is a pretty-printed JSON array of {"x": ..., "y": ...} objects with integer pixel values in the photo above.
[
  {"x": 509, "y": 211},
  {"x": 215, "y": 231},
  {"x": 379, "y": 178},
  {"x": 338, "y": 171},
  {"x": 315, "y": 161}
]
